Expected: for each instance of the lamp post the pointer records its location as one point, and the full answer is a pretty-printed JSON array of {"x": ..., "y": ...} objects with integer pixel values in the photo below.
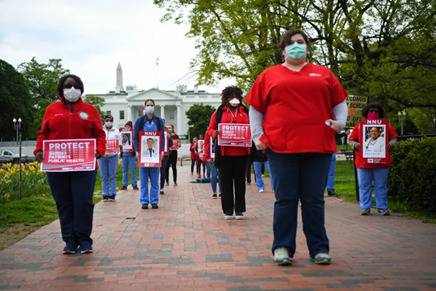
[
  {"x": 17, "y": 126},
  {"x": 401, "y": 118}
]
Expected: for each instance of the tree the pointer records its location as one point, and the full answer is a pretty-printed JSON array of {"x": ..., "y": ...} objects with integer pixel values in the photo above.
[
  {"x": 98, "y": 103},
  {"x": 41, "y": 80},
  {"x": 381, "y": 49},
  {"x": 16, "y": 102},
  {"x": 198, "y": 119}
]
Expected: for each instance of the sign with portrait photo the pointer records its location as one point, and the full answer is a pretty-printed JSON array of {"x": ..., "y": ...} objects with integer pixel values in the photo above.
[
  {"x": 374, "y": 141},
  {"x": 68, "y": 155},
  {"x": 234, "y": 134},
  {"x": 200, "y": 148},
  {"x": 126, "y": 141},
  {"x": 150, "y": 149}
]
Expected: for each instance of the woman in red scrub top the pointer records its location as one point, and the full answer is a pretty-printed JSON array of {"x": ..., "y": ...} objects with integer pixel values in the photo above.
[{"x": 295, "y": 110}]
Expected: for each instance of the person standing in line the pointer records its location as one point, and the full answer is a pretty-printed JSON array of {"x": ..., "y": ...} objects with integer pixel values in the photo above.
[
  {"x": 260, "y": 160},
  {"x": 369, "y": 171},
  {"x": 211, "y": 164},
  {"x": 194, "y": 155},
  {"x": 128, "y": 157},
  {"x": 331, "y": 176},
  {"x": 71, "y": 118},
  {"x": 201, "y": 165},
  {"x": 296, "y": 108},
  {"x": 163, "y": 167},
  {"x": 232, "y": 161},
  {"x": 174, "y": 145},
  {"x": 109, "y": 161},
  {"x": 148, "y": 122}
]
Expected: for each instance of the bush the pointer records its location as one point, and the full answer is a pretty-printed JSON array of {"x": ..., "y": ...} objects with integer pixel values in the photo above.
[
  {"x": 412, "y": 177},
  {"x": 33, "y": 181}
]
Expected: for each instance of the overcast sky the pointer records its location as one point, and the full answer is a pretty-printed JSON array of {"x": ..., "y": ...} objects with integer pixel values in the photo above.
[{"x": 91, "y": 37}]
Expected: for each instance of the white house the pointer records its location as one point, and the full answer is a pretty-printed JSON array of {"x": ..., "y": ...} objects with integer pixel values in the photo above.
[{"x": 125, "y": 105}]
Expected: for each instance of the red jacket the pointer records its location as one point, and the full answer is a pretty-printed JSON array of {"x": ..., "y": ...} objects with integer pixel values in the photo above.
[
  {"x": 81, "y": 121},
  {"x": 193, "y": 149},
  {"x": 295, "y": 106},
  {"x": 357, "y": 135},
  {"x": 227, "y": 117}
]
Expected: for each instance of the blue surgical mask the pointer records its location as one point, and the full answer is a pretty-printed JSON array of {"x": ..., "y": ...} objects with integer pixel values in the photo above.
[{"x": 296, "y": 51}]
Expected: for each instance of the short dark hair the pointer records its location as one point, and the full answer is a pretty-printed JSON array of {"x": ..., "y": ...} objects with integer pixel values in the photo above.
[
  {"x": 108, "y": 116},
  {"x": 286, "y": 38},
  {"x": 145, "y": 102},
  {"x": 231, "y": 92},
  {"x": 62, "y": 81},
  {"x": 373, "y": 105}
]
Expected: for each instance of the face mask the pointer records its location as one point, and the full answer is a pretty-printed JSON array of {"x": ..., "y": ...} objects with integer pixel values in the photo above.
[
  {"x": 234, "y": 102},
  {"x": 72, "y": 94},
  {"x": 296, "y": 51},
  {"x": 108, "y": 124},
  {"x": 372, "y": 115},
  {"x": 149, "y": 109}
]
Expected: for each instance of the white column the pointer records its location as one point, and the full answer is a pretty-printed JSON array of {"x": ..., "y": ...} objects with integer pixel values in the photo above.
[
  {"x": 129, "y": 112},
  {"x": 162, "y": 111},
  {"x": 179, "y": 119}
]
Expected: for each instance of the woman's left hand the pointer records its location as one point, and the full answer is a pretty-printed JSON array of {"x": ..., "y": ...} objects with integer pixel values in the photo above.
[{"x": 333, "y": 124}]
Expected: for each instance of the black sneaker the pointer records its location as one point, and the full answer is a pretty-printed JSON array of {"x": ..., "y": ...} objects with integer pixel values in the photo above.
[
  {"x": 384, "y": 212},
  {"x": 144, "y": 206},
  {"x": 220, "y": 195},
  {"x": 70, "y": 248},
  {"x": 331, "y": 193},
  {"x": 175, "y": 183},
  {"x": 105, "y": 198},
  {"x": 154, "y": 206},
  {"x": 214, "y": 196},
  {"x": 86, "y": 248},
  {"x": 135, "y": 187},
  {"x": 365, "y": 212},
  {"x": 124, "y": 188},
  {"x": 161, "y": 192},
  {"x": 111, "y": 198}
]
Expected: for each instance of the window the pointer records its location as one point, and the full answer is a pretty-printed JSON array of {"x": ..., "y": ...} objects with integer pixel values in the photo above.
[
  {"x": 171, "y": 115},
  {"x": 121, "y": 114},
  {"x": 108, "y": 112}
]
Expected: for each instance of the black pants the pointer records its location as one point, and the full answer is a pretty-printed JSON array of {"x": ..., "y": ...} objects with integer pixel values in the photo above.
[
  {"x": 232, "y": 174},
  {"x": 248, "y": 169},
  {"x": 193, "y": 162},
  {"x": 163, "y": 170},
  {"x": 172, "y": 161},
  {"x": 72, "y": 192}
]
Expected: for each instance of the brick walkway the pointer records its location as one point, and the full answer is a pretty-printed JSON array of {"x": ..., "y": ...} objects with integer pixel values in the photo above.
[{"x": 186, "y": 245}]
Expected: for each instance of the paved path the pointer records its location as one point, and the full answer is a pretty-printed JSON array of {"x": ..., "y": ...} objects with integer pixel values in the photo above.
[{"x": 186, "y": 245}]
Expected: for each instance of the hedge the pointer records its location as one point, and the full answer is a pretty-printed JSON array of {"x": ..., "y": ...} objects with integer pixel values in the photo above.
[{"x": 413, "y": 175}]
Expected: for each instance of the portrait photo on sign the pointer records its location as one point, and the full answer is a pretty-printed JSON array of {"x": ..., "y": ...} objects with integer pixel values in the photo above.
[
  {"x": 126, "y": 140},
  {"x": 374, "y": 141},
  {"x": 150, "y": 149}
]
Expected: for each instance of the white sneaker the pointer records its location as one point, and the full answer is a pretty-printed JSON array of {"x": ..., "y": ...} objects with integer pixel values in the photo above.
[
  {"x": 281, "y": 257},
  {"x": 261, "y": 190},
  {"x": 239, "y": 216},
  {"x": 228, "y": 217}
]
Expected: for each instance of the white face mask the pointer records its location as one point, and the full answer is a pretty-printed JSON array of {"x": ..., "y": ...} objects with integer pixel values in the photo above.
[
  {"x": 72, "y": 94},
  {"x": 234, "y": 102},
  {"x": 108, "y": 124},
  {"x": 149, "y": 109}
]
